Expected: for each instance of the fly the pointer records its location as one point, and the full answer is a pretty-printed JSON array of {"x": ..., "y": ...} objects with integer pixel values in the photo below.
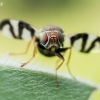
[{"x": 49, "y": 41}]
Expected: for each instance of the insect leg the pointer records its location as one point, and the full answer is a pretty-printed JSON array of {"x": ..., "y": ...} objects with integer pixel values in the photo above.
[
  {"x": 34, "y": 51},
  {"x": 27, "y": 48},
  {"x": 68, "y": 63},
  {"x": 61, "y": 57},
  {"x": 61, "y": 50},
  {"x": 64, "y": 50}
]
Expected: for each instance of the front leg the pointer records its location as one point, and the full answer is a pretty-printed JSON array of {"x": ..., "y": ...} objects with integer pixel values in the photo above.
[
  {"x": 34, "y": 51},
  {"x": 64, "y": 50},
  {"x": 61, "y": 57}
]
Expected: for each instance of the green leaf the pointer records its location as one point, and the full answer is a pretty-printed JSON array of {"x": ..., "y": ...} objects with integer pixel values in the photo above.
[{"x": 22, "y": 84}]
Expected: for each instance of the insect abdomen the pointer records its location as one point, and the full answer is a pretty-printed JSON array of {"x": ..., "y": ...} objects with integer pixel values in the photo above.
[{"x": 17, "y": 29}]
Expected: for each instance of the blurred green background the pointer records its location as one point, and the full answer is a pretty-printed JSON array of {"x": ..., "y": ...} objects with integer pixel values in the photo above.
[{"x": 72, "y": 16}]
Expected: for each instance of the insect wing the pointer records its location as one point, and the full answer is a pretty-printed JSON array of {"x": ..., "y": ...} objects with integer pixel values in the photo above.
[
  {"x": 83, "y": 42},
  {"x": 17, "y": 29}
]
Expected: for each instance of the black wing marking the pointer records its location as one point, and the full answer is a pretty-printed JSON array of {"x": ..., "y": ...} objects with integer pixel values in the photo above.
[
  {"x": 17, "y": 29},
  {"x": 93, "y": 45},
  {"x": 84, "y": 42},
  {"x": 84, "y": 38}
]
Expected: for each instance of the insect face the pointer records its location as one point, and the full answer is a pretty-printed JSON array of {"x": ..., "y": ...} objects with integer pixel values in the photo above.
[{"x": 51, "y": 38}]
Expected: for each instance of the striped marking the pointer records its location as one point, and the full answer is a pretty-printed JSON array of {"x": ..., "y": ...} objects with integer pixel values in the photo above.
[
  {"x": 84, "y": 42},
  {"x": 17, "y": 29},
  {"x": 14, "y": 24},
  {"x": 95, "y": 45}
]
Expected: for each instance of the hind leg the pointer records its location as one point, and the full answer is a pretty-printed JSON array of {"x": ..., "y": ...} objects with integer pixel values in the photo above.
[{"x": 27, "y": 48}]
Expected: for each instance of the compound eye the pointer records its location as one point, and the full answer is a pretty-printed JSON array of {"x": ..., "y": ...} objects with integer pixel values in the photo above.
[
  {"x": 44, "y": 38},
  {"x": 61, "y": 37}
]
